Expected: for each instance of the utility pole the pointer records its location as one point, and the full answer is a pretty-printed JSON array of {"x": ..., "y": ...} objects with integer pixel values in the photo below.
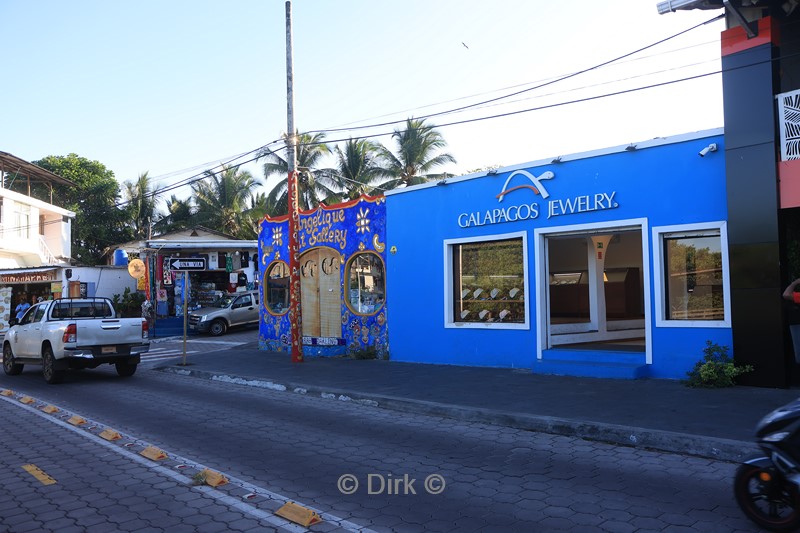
[{"x": 295, "y": 313}]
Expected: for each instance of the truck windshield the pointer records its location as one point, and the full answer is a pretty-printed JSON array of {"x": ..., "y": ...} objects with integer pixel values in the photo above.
[{"x": 222, "y": 302}]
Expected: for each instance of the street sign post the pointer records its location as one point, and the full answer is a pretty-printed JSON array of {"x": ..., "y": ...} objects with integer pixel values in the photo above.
[{"x": 187, "y": 263}]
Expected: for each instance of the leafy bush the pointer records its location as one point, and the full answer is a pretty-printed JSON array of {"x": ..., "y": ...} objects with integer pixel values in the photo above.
[
  {"x": 129, "y": 304},
  {"x": 717, "y": 369}
]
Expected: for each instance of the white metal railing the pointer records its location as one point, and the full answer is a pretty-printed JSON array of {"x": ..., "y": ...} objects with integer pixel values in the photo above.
[
  {"x": 789, "y": 124},
  {"x": 44, "y": 252}
]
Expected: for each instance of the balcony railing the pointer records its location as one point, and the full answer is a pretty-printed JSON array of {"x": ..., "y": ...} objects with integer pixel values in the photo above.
[
  {"x": 44, "y": 252},
  {"x": 789, "y": 124}
]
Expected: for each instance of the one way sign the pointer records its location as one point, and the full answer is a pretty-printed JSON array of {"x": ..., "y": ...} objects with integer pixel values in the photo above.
[{"x": 187, "y": 263}]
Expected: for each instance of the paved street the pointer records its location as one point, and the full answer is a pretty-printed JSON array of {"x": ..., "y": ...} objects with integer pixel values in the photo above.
[
  {"x": 172, "y": 348},
  {"x": 283, "y": 446}
]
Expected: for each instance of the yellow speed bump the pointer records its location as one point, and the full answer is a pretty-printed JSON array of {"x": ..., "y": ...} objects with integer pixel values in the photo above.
[
  {"x": 27, "y": 400},
  {"x": 214, "y": 479},
  {"x": 37, "y": 472},
  {"x": 298, "y": 514},
  {"x": 7, "y": 392},
  {"x": 153, "y": 453},
  {"x": 50, "y": 409},
  {"x": 110, "y": 434},
  {"x": 76, "y": 420}
]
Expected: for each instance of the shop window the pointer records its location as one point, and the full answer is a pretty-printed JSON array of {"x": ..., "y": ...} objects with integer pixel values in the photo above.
[
  {"x": 22, "y": 220},
  {"x": 276, "y": 288},
  {"x": 693, "y": 271},
  {"x": 366, "y": 284},
  {"x": 488, "y": 282}
]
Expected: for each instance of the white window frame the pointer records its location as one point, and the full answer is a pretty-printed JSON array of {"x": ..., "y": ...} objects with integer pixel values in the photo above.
[
  {"x": 449, "y": 319},
  {"x": 542, "y": 281},
  {"x": 659, "y": 290},
  {"x": 22, "y": 220}
]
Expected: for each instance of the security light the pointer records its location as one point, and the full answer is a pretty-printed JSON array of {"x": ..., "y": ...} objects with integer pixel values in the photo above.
[{"x": 710, "y": 148}]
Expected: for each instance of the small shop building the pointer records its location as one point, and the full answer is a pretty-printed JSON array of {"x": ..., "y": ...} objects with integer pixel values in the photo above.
[
  {"x": 342, "y": 280},
  {"x": 610, "y": 263},
  {"x": 227, "y": 265}
]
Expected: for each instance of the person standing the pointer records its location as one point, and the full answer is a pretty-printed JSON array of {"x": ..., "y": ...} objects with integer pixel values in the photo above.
[{"x": 23, "y": 306}]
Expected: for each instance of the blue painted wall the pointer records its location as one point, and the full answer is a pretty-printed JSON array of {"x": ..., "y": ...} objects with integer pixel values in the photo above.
[
  {"x": 663, "y": 181},
  {"x": 348, "y": 229}
]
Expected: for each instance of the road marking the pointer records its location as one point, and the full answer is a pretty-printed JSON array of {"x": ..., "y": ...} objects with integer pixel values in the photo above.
[
  {"x": 39, "y": 474},
  {"x": 206, "y": 490}
]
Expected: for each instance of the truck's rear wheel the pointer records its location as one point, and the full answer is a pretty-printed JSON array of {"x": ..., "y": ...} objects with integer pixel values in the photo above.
[
  {"x": 125, "y": 370},
  {"x": 217, "y": 328},
  {"x": 9, "y": 366},
  {"x": 51, "y": 375}
]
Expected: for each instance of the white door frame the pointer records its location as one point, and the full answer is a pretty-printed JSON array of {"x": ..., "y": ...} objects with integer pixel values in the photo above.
[{"x": 541, "y": 281}]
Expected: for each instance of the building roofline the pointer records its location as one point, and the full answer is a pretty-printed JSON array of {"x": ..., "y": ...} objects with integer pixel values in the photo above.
[{"x": 639, "y": 145}]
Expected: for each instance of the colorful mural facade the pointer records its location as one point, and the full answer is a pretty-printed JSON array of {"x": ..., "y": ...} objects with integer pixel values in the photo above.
[{"x": 342, "y": 268}]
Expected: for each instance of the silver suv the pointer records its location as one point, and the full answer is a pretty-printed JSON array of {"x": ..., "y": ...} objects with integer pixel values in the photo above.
[{"x": 236, "y": 309}]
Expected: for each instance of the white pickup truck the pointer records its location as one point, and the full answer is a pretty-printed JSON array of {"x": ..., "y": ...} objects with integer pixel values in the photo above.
[{"x": 74, "y": 333}]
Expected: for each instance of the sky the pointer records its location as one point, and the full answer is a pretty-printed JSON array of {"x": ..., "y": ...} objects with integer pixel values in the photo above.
[{"x": 174, "y": 88}]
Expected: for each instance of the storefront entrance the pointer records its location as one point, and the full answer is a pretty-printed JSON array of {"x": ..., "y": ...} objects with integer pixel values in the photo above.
[
  {"x": 320, "y": 293},
  {"x": 593, "y": 288}
]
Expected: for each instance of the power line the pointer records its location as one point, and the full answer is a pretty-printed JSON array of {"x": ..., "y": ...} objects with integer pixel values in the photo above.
[
  {"x": 539, "y": 86},
  {"x": 199, "y": 176}
]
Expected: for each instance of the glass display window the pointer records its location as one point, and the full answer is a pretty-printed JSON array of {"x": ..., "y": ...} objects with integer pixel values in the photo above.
[
  {"x": 366, "y": 284},
  {"x": 488, "y": 281},
  {"x": 276, "y": 288},
  {"x": 693, "y": 277}
]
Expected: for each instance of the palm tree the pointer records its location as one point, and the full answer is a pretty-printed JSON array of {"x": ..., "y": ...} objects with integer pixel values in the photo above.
[
  {"x": 141, "y": 197},
  {"x": 221, "y": 198},
  {"x": 179, "y": 216},
  {"x": 311, "y": 181},
  {"x": 416, "y": 155},
  {"x": 252, "y": 217},
  {"x": 357, "y": 168}
]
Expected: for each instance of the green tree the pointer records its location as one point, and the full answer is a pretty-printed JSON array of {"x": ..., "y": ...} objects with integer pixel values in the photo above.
[
  {"x": 357, "y": 168},
  {"x": 312, "y": 182},
  {"x": 222, "y": 197},
  {"x": 252, "y": 217},
  {"x": 141, "y": 198},
  {"x": 99, "y": 223},
  {"x": 416, "y": 155},
  {"x": 180, "y": 215}
]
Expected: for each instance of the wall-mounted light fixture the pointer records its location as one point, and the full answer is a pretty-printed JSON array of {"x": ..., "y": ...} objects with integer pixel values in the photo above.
[
  {"x": 492, "y": 172},
  {"x": 630, "y": 147},
  {"x": 556, "y": 160},
  {"x": 710, "y": 148}
]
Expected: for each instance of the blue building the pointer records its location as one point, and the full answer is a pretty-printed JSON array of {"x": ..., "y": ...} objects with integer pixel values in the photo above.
[
  {"x": 342, "y": 280},
  {"x": 611, "y": 263}
]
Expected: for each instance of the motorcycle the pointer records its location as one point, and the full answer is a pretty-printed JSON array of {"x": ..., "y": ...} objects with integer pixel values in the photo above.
[{"x": 767, "y": 486}]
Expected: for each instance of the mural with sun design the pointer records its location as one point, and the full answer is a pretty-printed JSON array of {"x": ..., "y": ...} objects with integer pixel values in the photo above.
[{"x": 342, "y": 269}]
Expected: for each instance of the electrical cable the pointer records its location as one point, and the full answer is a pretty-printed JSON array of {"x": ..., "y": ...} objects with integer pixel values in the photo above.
[{"x": 551, "y": 82}]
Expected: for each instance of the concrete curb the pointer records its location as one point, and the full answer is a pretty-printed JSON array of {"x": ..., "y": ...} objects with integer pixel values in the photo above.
[{"x": 653, "y": 439}]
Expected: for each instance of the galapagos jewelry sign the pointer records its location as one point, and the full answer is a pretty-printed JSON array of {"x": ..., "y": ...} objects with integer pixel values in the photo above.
[{"x": 584, "y": 203}]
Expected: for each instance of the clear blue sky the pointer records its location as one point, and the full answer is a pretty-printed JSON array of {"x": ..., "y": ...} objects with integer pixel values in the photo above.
[{"x": 173, "y": 87}]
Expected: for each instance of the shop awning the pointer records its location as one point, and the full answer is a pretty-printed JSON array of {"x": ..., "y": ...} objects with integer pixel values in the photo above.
[
  {"x": 28, "y": 275},
  {"x": 27, "y": 270}
]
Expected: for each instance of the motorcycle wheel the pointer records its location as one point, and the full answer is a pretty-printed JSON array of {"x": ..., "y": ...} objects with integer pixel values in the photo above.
[{"x": 767, "y": 499}]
